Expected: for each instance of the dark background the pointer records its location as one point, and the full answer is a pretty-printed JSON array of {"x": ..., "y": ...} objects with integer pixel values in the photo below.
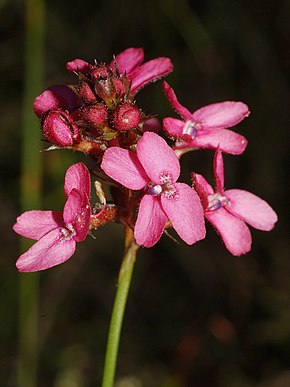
[{"x": 196, "y": 316}]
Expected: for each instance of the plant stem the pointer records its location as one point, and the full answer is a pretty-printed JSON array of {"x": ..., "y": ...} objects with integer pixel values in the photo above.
[
  {"x": 123, "y": 286},
  {"x": 30, "y": 187}
]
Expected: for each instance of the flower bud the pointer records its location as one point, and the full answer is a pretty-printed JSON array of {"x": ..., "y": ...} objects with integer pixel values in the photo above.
[
  {"x": 100, "y": 72},
  {"x": 126, "y": 116},
  {"x": 84, "y": 91},
  {"x": 59, "y": 129},
  {"x": 94, "y": 115}
]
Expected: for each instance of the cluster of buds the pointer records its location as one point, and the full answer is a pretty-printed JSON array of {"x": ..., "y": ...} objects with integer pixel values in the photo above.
[
  {"x": 99, "y": 117},
  {"x": 100, "y": 110}
]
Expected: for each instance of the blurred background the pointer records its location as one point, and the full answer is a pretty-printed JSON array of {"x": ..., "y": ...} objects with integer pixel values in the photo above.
[{"x": 196, "y": 316}]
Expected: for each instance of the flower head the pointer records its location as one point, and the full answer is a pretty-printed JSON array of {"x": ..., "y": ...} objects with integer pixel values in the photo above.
[
  {"x": 154, "y": 168},
  {"x": 56, "y": 233},
  {"x": 229, "y": 211},
  {"x": 207, "y": 126}
]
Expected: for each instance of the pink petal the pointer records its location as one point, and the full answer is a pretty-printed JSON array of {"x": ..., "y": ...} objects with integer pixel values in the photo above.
[
  {"x": 77, "y": 214},
  {"x": 78, "y": 177},
  {"x": 202, "y": 188},
  {"x": 128, "y": 60},
  {"x": 51, "y": 250},
  {"x": 251, "y": 209},
  {"x": 227, "y": 140},
  {"x": 234, "y": 232},
  {"x": 219, "y": 170},
  {"x": 171, "y": 96},
  {"x": 79, "y": 65},
  {"x": 221, "y": 115},
  {"x": 173, "y": 127},
  {"x": 185, "y": 213},
  {"x": 150, "y": 72},
  {"x": 35, "y": 224},
  {"x": 157, "y": 158},
  {"x": 123, "y": 166},
  {"x": 58, "y": 96},
  {"x": 150, "y": 221}
]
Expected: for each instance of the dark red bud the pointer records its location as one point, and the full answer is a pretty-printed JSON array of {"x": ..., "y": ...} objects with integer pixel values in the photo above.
[
  {"x": 126, "y": 116},
  {"x": 85, "y": 92},
  {"x": 59, "y": 129},
  {"x": 100, "y": 72},
  {"x": 95, "y": 115},
  {"x": 118, "y": 86}
]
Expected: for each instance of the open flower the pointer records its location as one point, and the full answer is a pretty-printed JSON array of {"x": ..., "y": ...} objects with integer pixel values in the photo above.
[
  {"x": 57, "y": 232},
  {"x": 206, "y": 127},
  {"x": 155, "y": 169},
  {"x": 229, "y": 210}
]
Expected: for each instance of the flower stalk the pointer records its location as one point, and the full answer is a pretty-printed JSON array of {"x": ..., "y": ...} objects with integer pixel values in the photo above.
[{"x": 123, "y": 285}]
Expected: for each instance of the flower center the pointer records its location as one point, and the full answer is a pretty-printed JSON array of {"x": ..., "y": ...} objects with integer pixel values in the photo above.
[
  {"x": 165, "y": 187},
  {"x": 190, "y": 129},
  {"x": 68, "y": 232},
  {"x": 216, "y": 201}
]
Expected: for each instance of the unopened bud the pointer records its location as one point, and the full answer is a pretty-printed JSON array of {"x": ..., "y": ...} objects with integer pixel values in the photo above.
[
  {"x": 100, "y": 72},
  {"x": 126, "y": 116},
  {"x": 84, "y": 91},
  {"x": 93, "y": 115},
  {"x": 59, "y": 129}
]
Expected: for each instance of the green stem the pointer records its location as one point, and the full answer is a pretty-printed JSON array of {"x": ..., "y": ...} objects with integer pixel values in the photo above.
[
  {"x": 123, "y": 286},
  {"x": 30, "y": 187}
]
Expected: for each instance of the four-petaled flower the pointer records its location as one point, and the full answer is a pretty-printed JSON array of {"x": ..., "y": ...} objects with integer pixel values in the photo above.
[
  {"x": 229, "y": 210},
  {"x": 206, "y": 127},
  {"x": 155, "y": 169},
  {"x": 57, "y": 232}
]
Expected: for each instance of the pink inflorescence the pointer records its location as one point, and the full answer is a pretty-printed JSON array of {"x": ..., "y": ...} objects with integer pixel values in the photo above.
[{"x": 99, "y": 117}]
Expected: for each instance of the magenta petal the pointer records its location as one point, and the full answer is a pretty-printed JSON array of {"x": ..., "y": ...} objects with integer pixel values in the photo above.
[
  {"x": 171, "y": 96},
  {"x": 227, "y": 140},
  {"x": 219, "y": 171},
  {"x": 77, "y": 176},
  {"x": 203, "y": 189},
  {"x": 35, "y": 224},
  {"x": 123, "y": 166},
  {"x": 150, "y": 72},
  {"x": 234, "y": 232},
  {"x": 185, "y": 213},
  {"x": 79, "y": 65},
  {"x": 150, "y": 221},
  {"x": 251, "y": 209},
  {"x": 58, "y": 96},
  {"x": 173, "y": 127},
  {"x": 51, "y": 250},
  {"x": 77, "y": 214},
  {"x": 221, "y": 115},
  {"x": 157, "y": 157},
  {"x": 128, "y": 60}
]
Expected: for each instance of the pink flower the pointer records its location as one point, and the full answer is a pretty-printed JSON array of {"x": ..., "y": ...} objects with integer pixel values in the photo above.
[
  {"x": 206, "y": 127},
  {"x": 229, "y": 210},
  {"x": 130, "y": 62},
  {"x": 155, "y": 169},
  {"x": 57, "y": 232}
]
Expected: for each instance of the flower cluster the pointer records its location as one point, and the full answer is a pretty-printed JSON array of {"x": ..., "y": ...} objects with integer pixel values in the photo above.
[{"x": 99, "y": 117}]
